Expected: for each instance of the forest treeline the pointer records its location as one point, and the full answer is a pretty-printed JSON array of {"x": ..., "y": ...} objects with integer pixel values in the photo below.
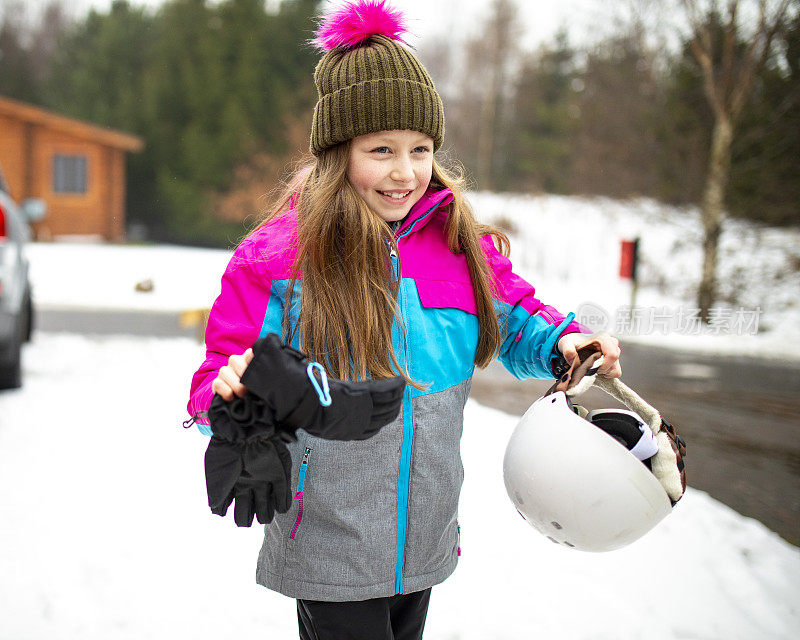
[{"x": 222, "y": 95}]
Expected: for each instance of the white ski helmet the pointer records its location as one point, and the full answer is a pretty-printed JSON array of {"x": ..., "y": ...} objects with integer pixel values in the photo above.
[{"x": 578, "y": 485}]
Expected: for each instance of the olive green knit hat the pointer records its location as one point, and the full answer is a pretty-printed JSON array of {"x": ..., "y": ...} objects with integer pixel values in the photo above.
[{"x": 367, "y": 81}]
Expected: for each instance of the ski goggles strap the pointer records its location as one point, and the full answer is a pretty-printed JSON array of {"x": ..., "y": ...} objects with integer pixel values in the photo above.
[
  {"x": 667, "y": 464},
  {"x": 627, "y": 396},
  {"x": 585, "y": 366}
]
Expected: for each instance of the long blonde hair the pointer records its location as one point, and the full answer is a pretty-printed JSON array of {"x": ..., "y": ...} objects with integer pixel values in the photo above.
[{"x": 349, "y": 298}]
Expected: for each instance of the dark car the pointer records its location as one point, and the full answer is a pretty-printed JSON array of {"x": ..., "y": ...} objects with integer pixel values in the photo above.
[{"x": 16, "y": 302}]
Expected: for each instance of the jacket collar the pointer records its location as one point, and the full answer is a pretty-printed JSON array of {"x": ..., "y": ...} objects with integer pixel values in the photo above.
[{"x": 423, "y": 210}]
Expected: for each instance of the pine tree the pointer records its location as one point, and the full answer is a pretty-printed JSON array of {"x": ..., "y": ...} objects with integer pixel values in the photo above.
[{"x": 544, "y": 116}]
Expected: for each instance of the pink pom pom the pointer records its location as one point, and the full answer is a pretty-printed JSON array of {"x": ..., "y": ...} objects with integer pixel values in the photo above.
[{"x": 355, "y": 22}]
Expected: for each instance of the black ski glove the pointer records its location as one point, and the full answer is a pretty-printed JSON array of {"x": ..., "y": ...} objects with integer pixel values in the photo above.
[
  {"x": 246, "y": 461},
  {"x": 278, "y": 374}
]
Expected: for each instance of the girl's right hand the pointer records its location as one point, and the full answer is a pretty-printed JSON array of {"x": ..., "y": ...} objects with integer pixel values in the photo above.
[{"x": 228, "y": 381}]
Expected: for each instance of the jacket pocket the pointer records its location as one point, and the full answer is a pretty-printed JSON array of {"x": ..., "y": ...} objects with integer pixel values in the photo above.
[
  {"x": 346, "y": 533},
  {"x": 443, "y": 294},
  {"x": 301, "y": 480}
]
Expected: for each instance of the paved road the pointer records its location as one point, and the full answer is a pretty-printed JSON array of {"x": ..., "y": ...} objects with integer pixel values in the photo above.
[
  {"x": 739, "y": 416},
  {"x": 142, "y": 323}
]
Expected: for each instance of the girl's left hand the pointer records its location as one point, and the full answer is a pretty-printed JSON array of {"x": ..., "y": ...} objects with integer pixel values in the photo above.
[{"x": 569, "y": 344}]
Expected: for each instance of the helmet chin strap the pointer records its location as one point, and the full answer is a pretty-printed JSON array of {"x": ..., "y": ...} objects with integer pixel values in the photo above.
[{"x": 667, "y": 464}]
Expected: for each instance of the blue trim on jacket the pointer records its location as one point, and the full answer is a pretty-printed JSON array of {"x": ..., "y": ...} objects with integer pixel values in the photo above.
[
  {"x": 403, "y": 489},
  {"x": 531, "y": 343}
]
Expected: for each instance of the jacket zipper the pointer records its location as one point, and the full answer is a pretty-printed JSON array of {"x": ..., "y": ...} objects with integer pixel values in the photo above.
[
  {"x": 404, "y": 478},
  {"x": 301, "y": 480},
  {"x": 414, "y": 224}
]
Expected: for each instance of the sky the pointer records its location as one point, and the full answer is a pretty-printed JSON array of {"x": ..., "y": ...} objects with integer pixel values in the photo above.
[{"x": 430, "y": 18}]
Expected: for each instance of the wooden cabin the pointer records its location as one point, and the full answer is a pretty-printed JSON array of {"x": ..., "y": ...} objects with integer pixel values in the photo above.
[{"x": 76, "y": 167}]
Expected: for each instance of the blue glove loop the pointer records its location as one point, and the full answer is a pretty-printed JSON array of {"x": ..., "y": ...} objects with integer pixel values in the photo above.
[{"x": 324, "y": 393}]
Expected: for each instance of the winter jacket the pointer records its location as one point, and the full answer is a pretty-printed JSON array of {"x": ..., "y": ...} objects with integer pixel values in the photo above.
[{"x": 377, "y": 517}]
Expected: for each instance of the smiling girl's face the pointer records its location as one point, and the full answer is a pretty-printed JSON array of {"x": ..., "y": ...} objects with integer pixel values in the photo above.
[{"x": 391, "y": 170}]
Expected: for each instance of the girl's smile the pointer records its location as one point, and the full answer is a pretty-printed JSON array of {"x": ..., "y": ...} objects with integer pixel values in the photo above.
[{"x": 391, "y": 170}]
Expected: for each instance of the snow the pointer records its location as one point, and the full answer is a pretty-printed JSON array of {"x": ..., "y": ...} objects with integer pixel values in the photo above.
[
  {"x": 569, "y": 248},
  {"x": 91, "y": 275},
  {"x": 106, "y": 533}
]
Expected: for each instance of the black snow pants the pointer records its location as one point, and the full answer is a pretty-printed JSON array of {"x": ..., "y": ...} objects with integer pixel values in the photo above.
[{"x": 398, "y": 617}]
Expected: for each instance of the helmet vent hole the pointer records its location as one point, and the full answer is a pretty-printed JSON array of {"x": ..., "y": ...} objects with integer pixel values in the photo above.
[
  {"x": 551, "y": 539},
  {"x": 519, "y": 498},
  {"x": 556, "y": 525},
  {"x": 569, "y": 544}
]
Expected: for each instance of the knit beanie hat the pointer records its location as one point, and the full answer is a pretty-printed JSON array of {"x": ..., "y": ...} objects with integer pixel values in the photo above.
[{"x": 367, "y": 81}]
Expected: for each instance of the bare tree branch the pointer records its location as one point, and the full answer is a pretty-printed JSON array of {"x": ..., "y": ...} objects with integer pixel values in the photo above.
[
  {"x": 702, "y": 47},
  {"x": 756, "y": 58},
  {"x": 749, "y": 63},
  {"x": 729, "y": 41},
  {"x": 695, "y": 22},
  {"x": 703, "y": 57},
  {"x": 707, "y": 38}
]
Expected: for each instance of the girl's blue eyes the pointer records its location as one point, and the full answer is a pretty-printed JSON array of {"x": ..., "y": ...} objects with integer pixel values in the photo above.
[{"x": 382, "y": 150}]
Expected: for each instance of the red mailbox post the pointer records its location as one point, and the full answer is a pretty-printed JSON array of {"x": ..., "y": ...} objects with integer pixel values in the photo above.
[{"x": 628, "y": 262}]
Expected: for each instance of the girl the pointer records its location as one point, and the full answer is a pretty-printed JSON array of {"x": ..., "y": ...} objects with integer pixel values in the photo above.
[{"x": 374, "y": 265}]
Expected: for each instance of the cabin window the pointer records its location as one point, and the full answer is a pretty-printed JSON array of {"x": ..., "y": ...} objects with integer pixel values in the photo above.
[{"x": 69, "y": 174}]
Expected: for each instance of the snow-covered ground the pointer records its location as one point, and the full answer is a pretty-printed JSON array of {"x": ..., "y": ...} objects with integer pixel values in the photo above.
[
  {"x": 105, "y": 532},
  {"x": 568, "y": 247},
  {"x": 86, "y": 275}
]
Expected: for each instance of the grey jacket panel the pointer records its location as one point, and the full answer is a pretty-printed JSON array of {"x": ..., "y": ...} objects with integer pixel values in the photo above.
[
  {"x": 436, "y": 477},
  {"x": 345, "y": 545}
]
